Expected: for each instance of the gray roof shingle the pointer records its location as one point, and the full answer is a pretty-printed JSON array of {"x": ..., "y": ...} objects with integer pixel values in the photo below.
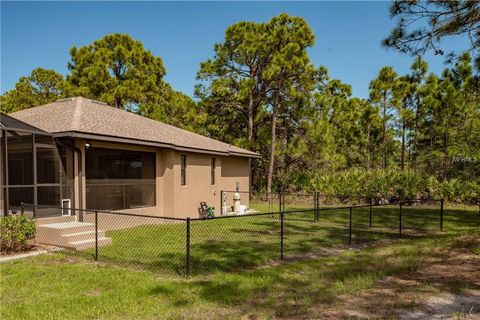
[{"x": 81, "y": 115}]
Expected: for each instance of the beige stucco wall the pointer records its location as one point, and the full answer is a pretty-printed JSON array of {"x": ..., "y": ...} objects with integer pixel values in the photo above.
[
  {"x": 166, "y": 170},
  {"x": 228, "y": 171},
  {"x": 173, "y": 199},
  {"x": 198, "y": 186},
  {"x": 235, "y": 169}
]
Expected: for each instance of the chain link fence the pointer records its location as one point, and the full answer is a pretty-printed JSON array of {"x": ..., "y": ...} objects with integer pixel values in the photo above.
[{"x": 303, "y": 224}]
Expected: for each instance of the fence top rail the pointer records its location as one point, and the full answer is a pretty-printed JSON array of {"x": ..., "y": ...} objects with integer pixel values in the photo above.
[
  {"x": 299, "y": 194},
  {"x": 271, "y": 193},
  {"x": 306, "y": 194},
  {"x": 353, "y": 207},
  {"x": 238, "y": 216},
  {"x": 378, "y": 197},
  {"x": 320, "y": 194},
  {"x": 104, "y": 212},
  {"x": 295, "y": 211},
  {"x": 313, "y": 193},
  {"x": 256, "y": 214},
  {"x": 395, "y": 198}
]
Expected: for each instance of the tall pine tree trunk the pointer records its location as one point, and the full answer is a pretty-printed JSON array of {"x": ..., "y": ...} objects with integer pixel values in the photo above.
[
  {"x": 409, "y": 152},
  {"x": 250, "y": 138},
  {"x": 287, "y": 139},
  {"x": 445, "y": 155},
  {"x": 272, "y": 147},
  {"x": 384, "y": 142},
  {"x": 368, "y": 147},
  {"x": 403, "y": 147},
  {"x": 415, "y": 134},
  {"x": 445, "y": 149}
]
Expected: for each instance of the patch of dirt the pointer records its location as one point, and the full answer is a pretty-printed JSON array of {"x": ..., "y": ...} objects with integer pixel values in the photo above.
[
  {"x": 327, "y": 252},
  {"x": 449, "y": 305},
  {"x": 448, "y": 288},
  {"x": 93, "y": 293}
]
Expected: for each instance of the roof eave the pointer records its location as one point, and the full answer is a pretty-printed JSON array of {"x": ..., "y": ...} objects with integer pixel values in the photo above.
[
  {"x": 107, "y": 138},
  {"x": 249, "y": 155}
]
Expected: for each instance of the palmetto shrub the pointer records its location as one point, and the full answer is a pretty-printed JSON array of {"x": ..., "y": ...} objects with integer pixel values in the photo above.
[
  {"x": 409, "y": 184},
  {"x": 471, "y": 190},
  {"x": 392, "y": 183}
]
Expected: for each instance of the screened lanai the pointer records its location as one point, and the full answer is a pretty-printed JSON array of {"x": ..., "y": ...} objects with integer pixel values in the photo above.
[{"x": 35, "y": 169}]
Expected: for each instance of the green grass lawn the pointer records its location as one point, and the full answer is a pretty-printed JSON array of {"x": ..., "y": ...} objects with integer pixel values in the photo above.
[
  {"x": 59, "y": 286},
  {"x": 232, "y": 244}
]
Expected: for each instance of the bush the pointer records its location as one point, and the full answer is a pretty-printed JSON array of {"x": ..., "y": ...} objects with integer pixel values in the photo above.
[
  {"x": 15, "y": 231},
  {"x": 393, "y": 183}
]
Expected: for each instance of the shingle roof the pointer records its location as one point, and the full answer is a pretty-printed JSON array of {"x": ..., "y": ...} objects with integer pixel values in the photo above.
[
  {"x": 15, "y": 124},
  {"x": 81, "y": 115}
]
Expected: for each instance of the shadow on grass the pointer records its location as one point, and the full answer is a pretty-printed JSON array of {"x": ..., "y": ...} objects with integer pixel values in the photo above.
[{"x": 290, "y": 290}]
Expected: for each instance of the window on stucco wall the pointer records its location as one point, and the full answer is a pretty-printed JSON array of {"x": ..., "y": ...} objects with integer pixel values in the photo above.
[
  {"x": 212, "y": 172},
  {"x": 183, "y": 170}
]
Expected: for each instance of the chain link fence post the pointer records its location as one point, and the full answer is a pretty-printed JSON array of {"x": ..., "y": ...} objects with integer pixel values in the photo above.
[
  {"x": 350, "y": 228},
  {"x": 400, "y": 220},
  {"x": 370, "y": 213},
  {"x": 441, "y": 215},
  {"x": 96, "y": 235},
  {"x": 281, "y": 234},
  {"x": 279, "y": 201},
  {"x": 221, "y": 203},
  {"x": 318, "y": 206},
  {"x": 187, "y": 249}
]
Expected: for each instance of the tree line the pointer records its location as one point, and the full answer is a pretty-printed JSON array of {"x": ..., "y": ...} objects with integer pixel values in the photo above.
[{"x": 261, "y": 91}]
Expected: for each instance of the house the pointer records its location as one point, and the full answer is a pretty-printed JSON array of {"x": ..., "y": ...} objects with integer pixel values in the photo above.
[{"x": 81, "y": 153}]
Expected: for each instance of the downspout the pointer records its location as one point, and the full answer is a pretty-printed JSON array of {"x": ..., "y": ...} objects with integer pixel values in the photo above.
[{"x": 79, "y": 157}]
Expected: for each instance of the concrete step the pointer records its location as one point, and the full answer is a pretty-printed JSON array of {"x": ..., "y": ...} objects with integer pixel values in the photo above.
[
  {"x": 86, "y": 244},
  {"x": 53, "y": 233},
  {"x": 50, "y": 220},
  {"x": 79, "y": 236},
  {"x": 68, "y": 227}
]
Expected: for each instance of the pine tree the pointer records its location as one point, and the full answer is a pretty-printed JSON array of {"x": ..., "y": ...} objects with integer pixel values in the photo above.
[
  {"x": 383, "y": 93},
  {"x": 118, "y": 70},
  {"x": 41, "y": 87}
]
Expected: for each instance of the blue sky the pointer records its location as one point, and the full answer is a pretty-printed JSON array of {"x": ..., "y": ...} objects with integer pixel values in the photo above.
[{"x": 348, "y": 35}]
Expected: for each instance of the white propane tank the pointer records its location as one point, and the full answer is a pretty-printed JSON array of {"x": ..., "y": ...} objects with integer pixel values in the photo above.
[{"x": 236, "y": 202}]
